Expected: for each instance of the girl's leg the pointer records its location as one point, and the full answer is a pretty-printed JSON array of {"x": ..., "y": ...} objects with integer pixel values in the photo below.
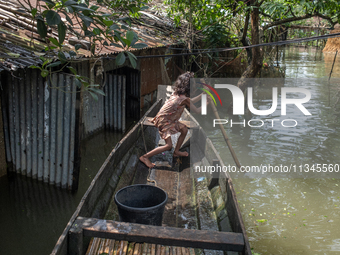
[
  {"x": 145, "y": 158},
  {"x": 180, "y": 141}
]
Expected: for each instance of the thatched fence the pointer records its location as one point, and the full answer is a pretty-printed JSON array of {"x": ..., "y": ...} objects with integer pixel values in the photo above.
[{"x": 333, "y": 44}]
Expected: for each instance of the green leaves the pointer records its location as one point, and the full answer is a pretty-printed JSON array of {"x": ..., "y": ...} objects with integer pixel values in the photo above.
[
  {"x": 52, "y": 18},
  {"x": 42, "y": 29},
  {"x": 72, "y": 70},
  {"x": 57, "y": 63},
  {"x": 54, "y": 41},
  {"x": 132, "y": 59},
  {"x": 49, "y": 3},
  {"x": 34, "y": 12},
  {"x": 120, "y": 59},
  {"x": 61, "y": 32},
  {"x": 95, "y": 91},
  {"x": 62, "y": 57},
  {"x": 98, "y": 27},
  {"x": 129, "y": 36},
  {"x": 44, "y": 73},
  {"x": 87, "y": 20},
  {"x": 139, "y": 45},
  {"x": 70, "y": 2}
]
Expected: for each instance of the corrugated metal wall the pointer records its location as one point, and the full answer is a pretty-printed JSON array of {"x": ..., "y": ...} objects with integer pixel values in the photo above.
[
  {"x": 93, "y": 113},
  {"x": 44, "y": 120},
  {"x": 92, "y": 110},
  {"x": 133, "y": 95},
  {"x": 39, "y": 125},
  {"x": 115, "y": 102}
]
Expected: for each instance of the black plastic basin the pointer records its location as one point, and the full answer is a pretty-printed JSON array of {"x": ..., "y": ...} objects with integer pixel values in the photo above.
[{"x": 142, "y": 204}]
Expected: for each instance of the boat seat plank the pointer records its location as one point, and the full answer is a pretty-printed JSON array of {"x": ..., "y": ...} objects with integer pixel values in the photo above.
[
  {"x": 168, "y": 181},
  {"x": 205, "y": 239},
  {"x": 188, "y": 123}
]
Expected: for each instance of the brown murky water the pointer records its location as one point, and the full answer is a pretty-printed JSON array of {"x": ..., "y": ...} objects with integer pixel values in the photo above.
[{"x": 293, "y": 215}]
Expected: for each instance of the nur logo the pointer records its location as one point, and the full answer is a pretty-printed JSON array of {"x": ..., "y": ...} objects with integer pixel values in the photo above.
[
  {"x": 239, "y": 99},
  {"x": 204, "y": 97}
]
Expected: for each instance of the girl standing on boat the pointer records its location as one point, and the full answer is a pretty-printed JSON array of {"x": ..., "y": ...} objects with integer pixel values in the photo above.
[{"x": 167, "y": 118}]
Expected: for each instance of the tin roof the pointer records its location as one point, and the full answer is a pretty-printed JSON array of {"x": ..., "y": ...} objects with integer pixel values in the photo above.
[{"x": 21, "y": 46}]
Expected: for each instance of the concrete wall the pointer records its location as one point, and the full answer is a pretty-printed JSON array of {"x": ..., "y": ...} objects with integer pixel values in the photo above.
[{"x": 3, "y": 168}]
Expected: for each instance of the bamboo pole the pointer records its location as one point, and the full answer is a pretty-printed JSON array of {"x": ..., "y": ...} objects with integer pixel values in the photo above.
[
  {"x": 226, "y": 138},
  {"x": 330, "y": 74}
]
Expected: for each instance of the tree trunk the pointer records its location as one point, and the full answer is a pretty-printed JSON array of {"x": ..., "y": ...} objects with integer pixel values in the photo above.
[{"x": 256, "y": 61}]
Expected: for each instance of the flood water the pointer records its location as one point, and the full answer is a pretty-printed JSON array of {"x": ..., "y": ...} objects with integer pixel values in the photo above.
[
  {"x": 292, "y": 215},
  {"x": 33, "y": 215},
  {"x": 281, "y": 215}
]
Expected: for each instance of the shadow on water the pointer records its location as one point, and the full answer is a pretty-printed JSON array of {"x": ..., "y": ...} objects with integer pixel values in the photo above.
[{"x": 34, "y": 214}]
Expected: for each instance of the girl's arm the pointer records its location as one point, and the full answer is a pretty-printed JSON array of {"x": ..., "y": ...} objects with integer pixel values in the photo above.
[
  {"x": 196, "y": 99},
  {"x": 190, "y": 104}
]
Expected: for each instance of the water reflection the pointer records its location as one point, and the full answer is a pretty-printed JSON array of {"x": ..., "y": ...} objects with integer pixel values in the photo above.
[{"x": 33, "y": 214}]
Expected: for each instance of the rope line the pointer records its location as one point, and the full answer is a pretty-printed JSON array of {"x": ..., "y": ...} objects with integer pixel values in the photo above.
[
  {"x": 202, "y": 51},
  {"x": 306, "y": 39}
]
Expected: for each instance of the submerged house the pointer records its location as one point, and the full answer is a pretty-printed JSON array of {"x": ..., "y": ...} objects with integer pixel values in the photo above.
[{"x": 43, "y": 120}]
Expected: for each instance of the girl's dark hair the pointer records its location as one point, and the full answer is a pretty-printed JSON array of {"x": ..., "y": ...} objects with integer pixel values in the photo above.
[{"x": 182, "y": 84}]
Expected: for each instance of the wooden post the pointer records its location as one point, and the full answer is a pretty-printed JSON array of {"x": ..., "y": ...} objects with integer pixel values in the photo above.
[{"x": 75, "y": 238}]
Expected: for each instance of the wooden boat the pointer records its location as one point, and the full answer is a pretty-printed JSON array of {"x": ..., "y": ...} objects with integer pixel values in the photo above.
[{"x": 201, "y": 216}]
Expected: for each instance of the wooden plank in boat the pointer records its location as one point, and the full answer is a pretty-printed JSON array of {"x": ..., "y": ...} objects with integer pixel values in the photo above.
[
  {"x": 162, "y": 250},
  {"x": 187, "y": 209},
  {"x": 125, "y": 248},
  {"x": 167, "y": 250},
  {"x": 154, "y": 234},
  {"x": 168, "y": 181},
  {"x": 189, "y": 124},
  {"x": 112, "y": 247},
  {"x": 131, "y": 248},
  {"x": 94, "y": 245},
  {"x": 158, "y": 249},
  {"x": 145, "y": 248},
  {"x": 153, "y": 249},
  {"x": 137, "y": 250},
  {"x": 115, "y": 250},
  {"x": 179, "y": 251}
]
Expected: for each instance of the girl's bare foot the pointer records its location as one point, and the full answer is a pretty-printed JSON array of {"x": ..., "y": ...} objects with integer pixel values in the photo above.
[
  {"x": 181, "y": 154},
  {"x": 147, "y": 162}
]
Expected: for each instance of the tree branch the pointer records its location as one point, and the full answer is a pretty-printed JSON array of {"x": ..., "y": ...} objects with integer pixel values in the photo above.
[
  {"x": 326, "y": 18},
  {"x": 291, "y": 11},
  {"x": 266, "y": 15},
  {"x": 279, "y": 22},
  {"x": 245, "y": 29},
  {"x": 307, "y": 16},
  {"x": 244, "y": 40}
]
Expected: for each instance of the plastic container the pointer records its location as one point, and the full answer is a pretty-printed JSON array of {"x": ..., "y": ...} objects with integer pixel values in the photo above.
[{"x": 141, "y": 203}]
